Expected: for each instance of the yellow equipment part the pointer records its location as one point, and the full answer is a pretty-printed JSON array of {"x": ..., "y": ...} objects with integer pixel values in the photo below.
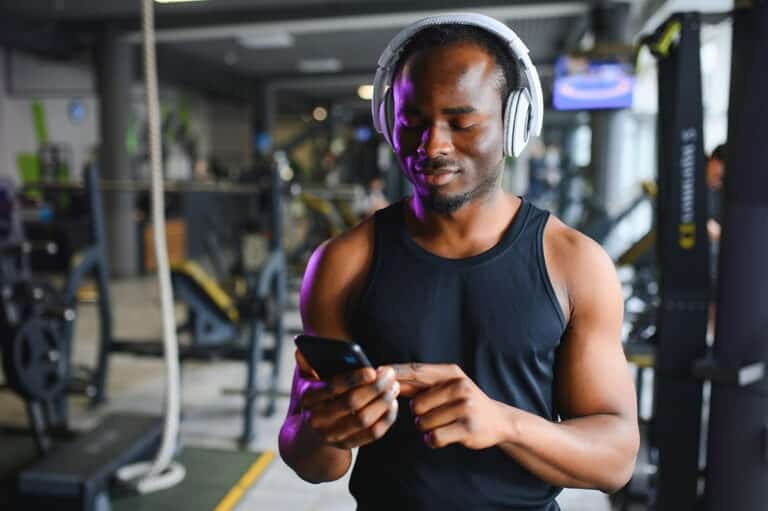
[
  {"x": 211, "y": 288},
  {"x": 649, "y": 188},
  {"x": 326, "y": 209},
  {"x": 638, "y": 249}
]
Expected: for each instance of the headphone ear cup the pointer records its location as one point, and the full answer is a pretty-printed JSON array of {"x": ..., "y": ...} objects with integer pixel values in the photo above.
[
  {"x": 387, "y": 116},
  {"x": 517, "y": 116}
]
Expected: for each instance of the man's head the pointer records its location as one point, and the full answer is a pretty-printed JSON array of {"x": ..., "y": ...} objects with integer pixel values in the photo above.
[
  {"x": 716, "y": 168},
  {"x": 449, "y": 87}
]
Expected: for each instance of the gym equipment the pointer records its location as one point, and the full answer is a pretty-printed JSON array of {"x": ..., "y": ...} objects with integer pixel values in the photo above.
[
  {"x": 35, "y": 336},
  {"x": 524, "y": 108},
  {"x": 34, "y": 347},
  {"x": 738, "y": 431},
  {"x": 93, "y": 264},
  {"x": 162, "y": 472},
  {"x": 599, "y": 225},
  {"x": 733, "y": 464},
  {"x": 77, "y": 475},
  {"x": 683, "y": 254},
  {"x": 262, "y": 303},
  {"x": 223, "y": 326}
]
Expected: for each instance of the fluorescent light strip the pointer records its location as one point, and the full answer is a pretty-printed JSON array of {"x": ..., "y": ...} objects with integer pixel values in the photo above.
[
  {"x": 176, "y": 1},
  {"x": 267, "y": 39},
  {"x": 319, "y": 65},
  {"x": 358, "y": 23}
]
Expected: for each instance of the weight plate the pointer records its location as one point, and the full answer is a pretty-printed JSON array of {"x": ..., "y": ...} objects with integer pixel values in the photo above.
[{"x": 38, "y": 367}]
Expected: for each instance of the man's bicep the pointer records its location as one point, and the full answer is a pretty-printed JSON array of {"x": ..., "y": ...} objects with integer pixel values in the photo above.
[
  {"x": 324, "y": 292},
  {"x": 592, "y": 375}
]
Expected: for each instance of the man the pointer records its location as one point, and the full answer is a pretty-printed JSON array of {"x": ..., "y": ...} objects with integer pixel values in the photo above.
[
  {"x": 495, "y": 329},
  {"x": 715, "y": 171}
]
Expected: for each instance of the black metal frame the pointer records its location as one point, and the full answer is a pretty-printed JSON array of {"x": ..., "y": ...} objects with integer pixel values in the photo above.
[{"x": 271, "y": 284}]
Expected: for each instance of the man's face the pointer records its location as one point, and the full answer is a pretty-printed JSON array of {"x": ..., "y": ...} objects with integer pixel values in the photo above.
[
  {"x": 715, "y": 173},
  {"x": 448, "y": 124}
]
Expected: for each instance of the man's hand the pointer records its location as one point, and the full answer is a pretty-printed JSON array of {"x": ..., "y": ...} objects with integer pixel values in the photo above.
[
  {"x": 352, "y": 409},
  {"x": 449, "y": 407}
]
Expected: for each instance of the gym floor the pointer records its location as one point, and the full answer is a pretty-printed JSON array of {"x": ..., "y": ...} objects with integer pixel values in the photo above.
[{"x": 212, "y": 415}]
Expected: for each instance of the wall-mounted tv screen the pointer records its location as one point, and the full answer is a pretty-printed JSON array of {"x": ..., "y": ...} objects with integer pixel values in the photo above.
[{"x": 585, "y": 84}]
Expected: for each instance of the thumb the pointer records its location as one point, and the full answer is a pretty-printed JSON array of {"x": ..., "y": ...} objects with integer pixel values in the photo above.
[{"x": 304, "y": 368}]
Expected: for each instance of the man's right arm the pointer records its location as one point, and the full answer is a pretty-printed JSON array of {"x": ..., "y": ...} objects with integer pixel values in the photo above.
[{"x": 333, "y": 277}]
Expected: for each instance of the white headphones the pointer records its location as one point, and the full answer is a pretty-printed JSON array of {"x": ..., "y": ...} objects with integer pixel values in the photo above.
[{"x": 524, "y": 108}]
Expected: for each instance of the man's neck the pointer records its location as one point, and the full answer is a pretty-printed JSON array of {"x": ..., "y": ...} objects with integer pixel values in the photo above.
[{"x": 475, "y": 227}]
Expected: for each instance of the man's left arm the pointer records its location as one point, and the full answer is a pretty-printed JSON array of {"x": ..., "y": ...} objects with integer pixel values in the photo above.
[{"x": 595, "y": 445}]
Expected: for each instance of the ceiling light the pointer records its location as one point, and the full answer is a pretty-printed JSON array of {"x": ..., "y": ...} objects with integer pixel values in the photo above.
[
  {"x": 176, "y": 1},
  {"x": 365, "y": 92},
  {"x": 319, "y": 65},
  {"x": 266, "y": 39},
  {"x": 320, "y": 114}
]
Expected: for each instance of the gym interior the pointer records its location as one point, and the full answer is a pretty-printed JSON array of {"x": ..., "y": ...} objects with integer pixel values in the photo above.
[{"x": 167, "y": 169}]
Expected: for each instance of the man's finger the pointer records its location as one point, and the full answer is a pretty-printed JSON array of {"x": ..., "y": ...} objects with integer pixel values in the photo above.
[
  {"x": 304, "y": 368},
  {"x": 374, "y": 432},
  {"x": 420, "y": 376},
  {"x": 366, "y": 416},
  {"x": 338, "y": 386},
  {"x": 445, "y": 435},
  {"x": 439, "y": 395},
  {"x": 328, "y": 412},
  {"x": 344, "y": 382},
  {"x": 442, "y": 416}
]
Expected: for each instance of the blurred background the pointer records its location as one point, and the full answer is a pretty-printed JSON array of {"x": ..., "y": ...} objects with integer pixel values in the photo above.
[{"x": 268, "y": 150}]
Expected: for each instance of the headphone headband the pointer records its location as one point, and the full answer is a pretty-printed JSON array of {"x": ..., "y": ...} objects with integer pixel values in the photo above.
[{"x": 519, "y": 50}]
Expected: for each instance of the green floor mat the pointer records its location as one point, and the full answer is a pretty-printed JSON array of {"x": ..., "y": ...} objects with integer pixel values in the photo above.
[
  {"x": 16, "y": 451},
  {"x": 216, "y": 480}
]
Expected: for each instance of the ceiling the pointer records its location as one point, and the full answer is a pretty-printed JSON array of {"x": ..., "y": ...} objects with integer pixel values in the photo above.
[{"x": 319, "y": 50}]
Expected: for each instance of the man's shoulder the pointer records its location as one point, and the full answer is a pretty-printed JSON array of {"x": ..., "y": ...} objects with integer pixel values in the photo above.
[
  {"x": 359, "y": 237},
  {"x": 347, "y": 253},
  {"x": 575, "y": 253},
  {"x": 334, "y": 275}
]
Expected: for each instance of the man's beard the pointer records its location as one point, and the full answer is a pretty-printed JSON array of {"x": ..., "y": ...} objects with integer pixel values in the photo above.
[{"x": 447, "y": 204}]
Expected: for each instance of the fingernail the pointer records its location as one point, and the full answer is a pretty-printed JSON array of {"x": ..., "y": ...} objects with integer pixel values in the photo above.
[
  {"x": 383, "y": 382},
  {"x": 393, "y": 412}
]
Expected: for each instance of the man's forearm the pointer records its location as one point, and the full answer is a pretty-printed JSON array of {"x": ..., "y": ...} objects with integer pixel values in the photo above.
[
  {"x": 313, "y": 460},
  {"x": 598, "y": 451}
]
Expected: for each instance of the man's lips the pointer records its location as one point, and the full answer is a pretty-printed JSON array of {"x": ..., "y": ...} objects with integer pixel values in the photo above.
[
  {"x": 438, "y": 171},
  {"x": 438, "y": 177}
]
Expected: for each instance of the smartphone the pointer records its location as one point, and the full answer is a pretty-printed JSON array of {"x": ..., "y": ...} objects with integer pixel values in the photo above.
[{"x": 330, "y": 357}]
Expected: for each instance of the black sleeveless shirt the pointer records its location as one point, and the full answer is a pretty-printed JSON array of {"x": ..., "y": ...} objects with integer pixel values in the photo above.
[{"x": 496, "y": 316}]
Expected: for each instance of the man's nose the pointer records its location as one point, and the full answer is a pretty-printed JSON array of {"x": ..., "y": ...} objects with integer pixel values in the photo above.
[{"x": 435, "y": 141}]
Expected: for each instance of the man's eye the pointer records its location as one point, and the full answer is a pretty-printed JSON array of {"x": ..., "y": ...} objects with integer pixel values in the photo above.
[{"x": 464, "y": 126}]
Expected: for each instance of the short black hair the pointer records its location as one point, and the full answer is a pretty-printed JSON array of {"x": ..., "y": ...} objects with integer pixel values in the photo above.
[
  {"x": 718, "y": 153},
  {"x": 444, "y": 35}
]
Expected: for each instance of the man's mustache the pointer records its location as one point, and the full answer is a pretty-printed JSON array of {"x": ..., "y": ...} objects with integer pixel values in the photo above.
[{"x": 436, "y": 165}]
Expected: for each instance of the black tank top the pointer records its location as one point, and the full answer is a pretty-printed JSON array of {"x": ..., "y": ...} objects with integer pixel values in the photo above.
[{"x": 496, "y": 316}]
